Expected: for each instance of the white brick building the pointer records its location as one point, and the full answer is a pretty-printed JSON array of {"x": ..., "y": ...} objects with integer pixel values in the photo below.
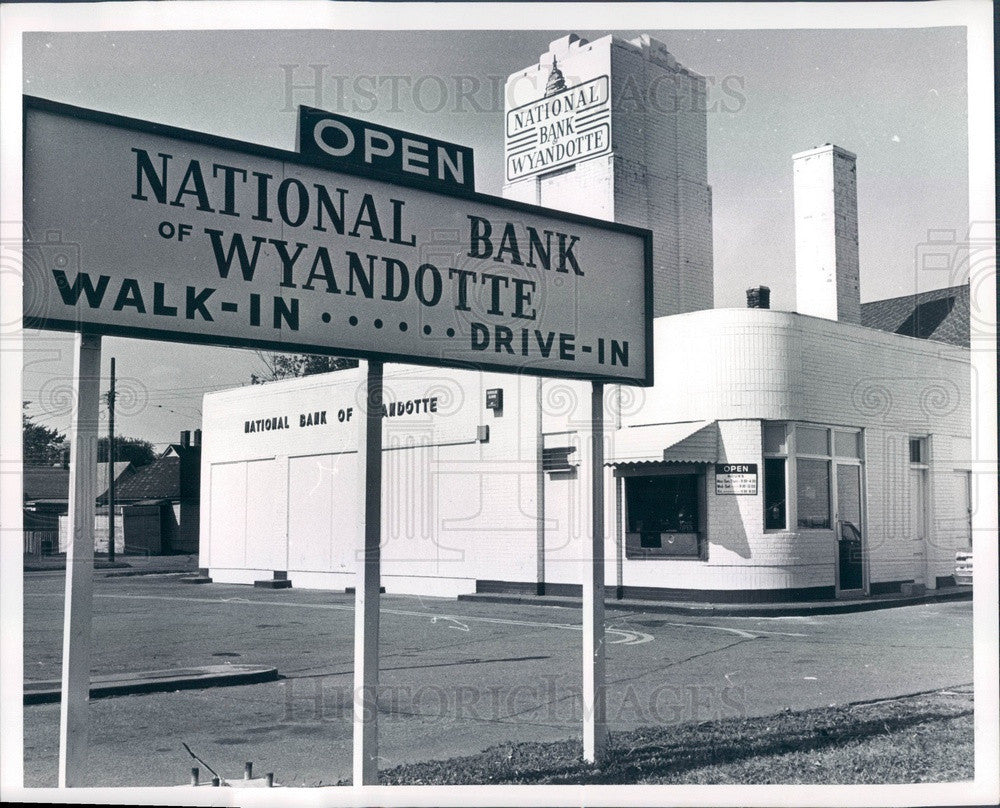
[
  {"x": 828, "y": 412},
  {"x": 778, "y": 456}
]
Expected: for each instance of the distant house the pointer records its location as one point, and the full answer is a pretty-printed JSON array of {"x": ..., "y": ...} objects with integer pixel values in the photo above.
[
  {"x": 941, "y": 315},
  {"x": 46, "y": 498},
  {"x": 123, "y": 470},
  {"x": 157, "y": 505},
  {"x": 171, "y": 483}
]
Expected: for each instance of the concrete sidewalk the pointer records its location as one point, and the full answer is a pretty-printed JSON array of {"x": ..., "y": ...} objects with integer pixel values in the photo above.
[
  {"x": 792, "y": 609},
  {"x": 123, "y": 565}
]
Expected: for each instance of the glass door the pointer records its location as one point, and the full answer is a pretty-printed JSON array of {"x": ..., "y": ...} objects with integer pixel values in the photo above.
[{"x": 850, "y": 568}]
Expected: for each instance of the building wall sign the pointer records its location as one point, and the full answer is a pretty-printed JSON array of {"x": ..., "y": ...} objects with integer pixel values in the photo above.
[
  {"x": 494, "y": 399},
  {"x": 390, "y": 409},
  {"x": 560, "y": 130},
  {"x": 329, "y": 138},
  {"x": 163, "y": 233},
  {"x": 736, "y": 478}
]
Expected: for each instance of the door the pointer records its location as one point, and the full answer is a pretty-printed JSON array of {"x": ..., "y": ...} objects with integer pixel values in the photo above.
[
  {"x": 227, "y": 532},
  {"x": 965, "y": 485},
  {"x": 850, "y": 569},
  {"x": 918, "y": 523}
]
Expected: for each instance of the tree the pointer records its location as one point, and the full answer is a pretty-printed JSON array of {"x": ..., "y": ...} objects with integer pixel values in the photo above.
[
  {"x": 289, "y": 366},
  {"x": 139, "y": 452},
  {"x": 45, "y": 446},
  {"x": 42, "y": 445}
]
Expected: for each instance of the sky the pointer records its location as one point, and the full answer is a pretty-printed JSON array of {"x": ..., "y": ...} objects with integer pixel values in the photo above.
[{"x": 895, "y": 97}]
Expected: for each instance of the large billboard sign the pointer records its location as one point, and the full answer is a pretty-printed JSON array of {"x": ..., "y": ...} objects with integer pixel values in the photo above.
[
  {"x": 139, "y": 229},
  {"x": 557, "y": 131}
]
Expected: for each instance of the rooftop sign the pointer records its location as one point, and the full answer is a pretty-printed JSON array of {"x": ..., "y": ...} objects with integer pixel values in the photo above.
[
  {"x": 144, "y": 230},
  {"x": 559, "y": 130},
  {"x": 329, "y": 138}
]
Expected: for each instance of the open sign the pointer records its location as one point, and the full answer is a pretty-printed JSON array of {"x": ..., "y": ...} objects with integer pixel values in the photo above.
[
  {"x": 736, "y": 478},
  {"x": 336, "y": 140}
]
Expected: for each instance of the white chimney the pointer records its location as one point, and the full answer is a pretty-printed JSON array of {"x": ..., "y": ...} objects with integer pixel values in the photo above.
[{"x": 826, "y": 234}]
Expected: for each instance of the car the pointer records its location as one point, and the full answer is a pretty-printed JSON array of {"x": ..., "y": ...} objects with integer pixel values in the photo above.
[{"x": 963, "y": 568}]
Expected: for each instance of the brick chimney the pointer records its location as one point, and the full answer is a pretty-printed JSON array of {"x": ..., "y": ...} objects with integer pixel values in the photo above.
[
  {"x": 186, "y": 438},
  {"x": 826, "y": 234},
  {"x": 759, "y": 297}
]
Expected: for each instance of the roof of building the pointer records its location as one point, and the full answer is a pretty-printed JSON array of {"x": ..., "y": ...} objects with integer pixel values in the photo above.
[
  {"x": 46, "y": 482},
  {"x": 161, "y": 479},
  {"x": 180, "y": 450},
  {"x": 121, "y": 467},
  {"x": 51, "y": 483},
  {"x": 941, "y": 315}
]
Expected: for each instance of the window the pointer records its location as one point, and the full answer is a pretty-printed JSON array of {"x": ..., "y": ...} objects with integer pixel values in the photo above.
[
  {"x": 775, "y": 439},
  {"x": 774, "y": 493},
  {"x": 847, "y": 444},
  {"x": 663, "y": 514},
  {"x": 775, "y": 485},
  {"x": 811, "y": 440},
  {"x": 813, "y": 492},
  {"x": 918, "y": 450},
  {"x": 800, "y": 493}
]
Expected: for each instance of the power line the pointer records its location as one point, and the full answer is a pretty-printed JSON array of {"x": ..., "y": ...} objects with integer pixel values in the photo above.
[{"x": 190, "y": 390}]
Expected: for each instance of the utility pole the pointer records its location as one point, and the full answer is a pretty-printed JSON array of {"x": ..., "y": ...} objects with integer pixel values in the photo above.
[{"x": 111, "y": 465}]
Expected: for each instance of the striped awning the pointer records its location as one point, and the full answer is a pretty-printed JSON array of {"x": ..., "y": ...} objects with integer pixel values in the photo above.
[{"x": 686, "y": 442}]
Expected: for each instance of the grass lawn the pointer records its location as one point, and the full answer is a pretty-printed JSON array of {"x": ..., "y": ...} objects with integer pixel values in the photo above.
[{"x": 912, "y": 739}]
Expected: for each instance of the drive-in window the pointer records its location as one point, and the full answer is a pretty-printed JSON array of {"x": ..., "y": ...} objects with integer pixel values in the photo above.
[{"x": 663, "y": 515}]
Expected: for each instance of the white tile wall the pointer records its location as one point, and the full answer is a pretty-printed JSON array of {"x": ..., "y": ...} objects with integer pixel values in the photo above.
[{"x": 462, "y": 510}]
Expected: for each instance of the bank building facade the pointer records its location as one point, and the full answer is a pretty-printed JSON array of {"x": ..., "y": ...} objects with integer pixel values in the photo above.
[{"x": 779, "y": 455}]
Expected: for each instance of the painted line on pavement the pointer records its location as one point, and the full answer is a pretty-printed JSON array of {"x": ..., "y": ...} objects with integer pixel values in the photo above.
[
  {"x": 629, "y": 636},
  {"x": 626, "y": 636}
]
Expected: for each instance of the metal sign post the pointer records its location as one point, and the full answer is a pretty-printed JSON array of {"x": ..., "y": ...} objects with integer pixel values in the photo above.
[
  {"x": 366, "y": 597},
  {"x": 539, "y": 491},
  {"x": 595, "y": 728},
  {"x": 111, "y": 465},
  {"x": 79, "y": 560}
]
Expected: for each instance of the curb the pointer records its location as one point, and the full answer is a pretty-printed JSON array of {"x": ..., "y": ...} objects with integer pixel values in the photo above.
[
  {"x": 98, "y": 565},
  {"x": 724, "y": 610},
  {"x": 125, "y": 570},
  {"x": 123, "y": 684}
]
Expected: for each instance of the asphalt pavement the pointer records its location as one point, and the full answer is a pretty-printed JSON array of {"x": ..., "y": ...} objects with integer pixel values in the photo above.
[{"x": 456, "y": 677}]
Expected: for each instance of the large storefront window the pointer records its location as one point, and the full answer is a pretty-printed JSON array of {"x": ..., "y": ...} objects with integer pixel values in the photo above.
[
  {"x": 663, "y": 515},
  {"x": 814, "y": 450},
  {"x": 813, "y": 492}
]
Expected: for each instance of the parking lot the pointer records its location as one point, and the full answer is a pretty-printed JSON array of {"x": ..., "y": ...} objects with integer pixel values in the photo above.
[{"x": 457, "y": 676}]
